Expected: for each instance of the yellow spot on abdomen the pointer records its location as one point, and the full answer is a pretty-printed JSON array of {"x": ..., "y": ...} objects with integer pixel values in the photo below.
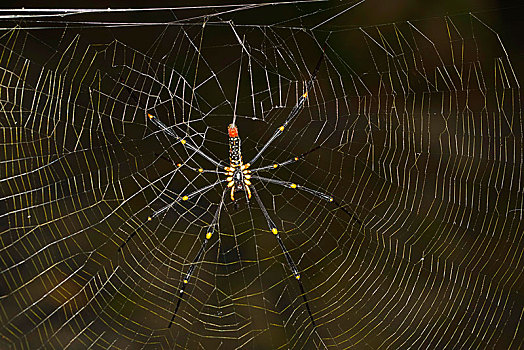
[
  {"x": 185, "y": 198},
  {"x": 183, "y": 141},
  {"x": 293, "y": 185},
  {"x": 208, "y": 235},
  {"x": 274, "y": 230}
]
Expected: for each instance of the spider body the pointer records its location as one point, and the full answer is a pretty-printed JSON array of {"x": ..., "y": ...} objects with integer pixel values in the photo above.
[{"x": 238, "y": 173}]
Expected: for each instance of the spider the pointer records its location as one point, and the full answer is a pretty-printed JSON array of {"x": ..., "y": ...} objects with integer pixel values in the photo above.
[{"x": 238, "y": 177}]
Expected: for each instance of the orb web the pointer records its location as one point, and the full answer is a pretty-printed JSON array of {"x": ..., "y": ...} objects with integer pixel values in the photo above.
[{"x": 414, "y": 127}]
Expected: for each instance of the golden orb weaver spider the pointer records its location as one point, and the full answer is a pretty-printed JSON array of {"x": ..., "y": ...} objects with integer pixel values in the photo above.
[{"x": 238, "y": 178}]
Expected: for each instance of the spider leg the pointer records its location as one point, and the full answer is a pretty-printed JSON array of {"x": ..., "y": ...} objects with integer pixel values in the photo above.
[
  {"x": 179, "y": 165},
  {"x": 290, "y": 262},
  {"x": 170, "y": 132},
  {"x": 187, "y": 143},
  {"x": 199, "y": 256},
  {"x": 232, "y": 194},
  {"x": 163, "y": 209},
  {"x": 322, "y": 195},
  {"x": 294, "y": 112},
  {"x": 289, "y": 161}
]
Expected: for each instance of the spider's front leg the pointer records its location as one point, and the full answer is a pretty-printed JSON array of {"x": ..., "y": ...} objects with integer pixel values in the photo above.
[{"x": 294, "y": 112}]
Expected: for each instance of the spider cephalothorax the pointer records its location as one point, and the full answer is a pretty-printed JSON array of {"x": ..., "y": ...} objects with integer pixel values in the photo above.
[{"x": 238, "y": 174}]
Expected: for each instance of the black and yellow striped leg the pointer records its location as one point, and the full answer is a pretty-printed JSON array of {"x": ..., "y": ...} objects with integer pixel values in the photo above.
[
  {"x": 322, "y": 195},
  {"x": 294, "y": 112},
  {"x": 289, "y": 161},
  {"x": 180, "y": 165},
  {"x": 170, "y": 132},
  {"x": 290, "y": 262},
  {"x": 186, "y": 143},
  {"x": 170, "y": 205},
  {"x": 211, "y": 229}
]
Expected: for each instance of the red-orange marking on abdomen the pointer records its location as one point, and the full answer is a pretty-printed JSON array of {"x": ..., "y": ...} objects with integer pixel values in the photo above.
[{"x": 233, "y": 131}]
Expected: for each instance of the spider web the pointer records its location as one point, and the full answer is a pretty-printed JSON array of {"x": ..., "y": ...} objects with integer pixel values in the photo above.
[{"x": 415, "y": 127}]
